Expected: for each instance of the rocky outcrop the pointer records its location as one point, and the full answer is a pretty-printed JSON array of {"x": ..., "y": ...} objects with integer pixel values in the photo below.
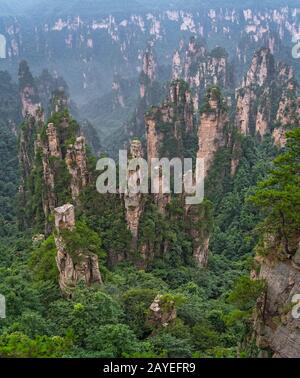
[
  {"x": 53, "y": 171},
  {"x": 288, "y": 113},
  {"x": 254, "y": 98},
  {"x": 58, "y": 160},
  {"x": 29, "y": 107},
  {"x": 262, "y": 69},
  {"x": 169, "y": 122},
  {"x": 149, "y": 94},
  {"x": 28, "y": 91},
  {"x": 267, "y": 96},
  {"x": 201, "y": 68},
  {"x": 277, "y": 330},
  {"x": 199, "y": 219},
  {"x": 134, "y": 201},
  {"x": 27, "y": 144},
  {"x": 212, "y": 133},
  {"x": 77, "y": 166},
  {"x": 161, "y": 312},
  {"x": 73, "y": 266},
  {"x": 149, "y": 71},
  {"x": 167, "y": 129}
]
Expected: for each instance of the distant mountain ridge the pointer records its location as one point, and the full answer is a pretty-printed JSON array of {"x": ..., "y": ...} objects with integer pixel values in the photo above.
[{"x": 45, "y": 8}]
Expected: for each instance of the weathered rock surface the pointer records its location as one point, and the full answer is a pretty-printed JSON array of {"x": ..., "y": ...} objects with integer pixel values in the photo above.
[
  {"x": 72, "y": 269},
  {"x": 212, "y": 131},
  {"x": 268, "y": 95},
  {"x": 276, "y": 328},
  {"x": 162, "y": 312},
  {"x": 201, "y": 68},
  {"x": 134, "y": 201},
  {"x": 77, "y": 166}
]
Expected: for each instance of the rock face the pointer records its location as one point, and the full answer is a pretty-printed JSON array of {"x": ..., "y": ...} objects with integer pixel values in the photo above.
[
  {"x": 288, "y": 113},
  {"x": 277, "y": 330},
  {"x": 28, "y": 91},
  {"x": 77, "y": 166},
  {"x": 253, "y": 116},
  {"x": 267, "y": 96},
  {"x": 73, "y": 266},
  {"x": 51, "y": 169},
  {"x": 54, "y": 159},
  {"x": 29, "y": 107},
  {"x": 134, "y": 201},
  {"x": 162, "y": 312},
  {"x": 169, "y": 122},
  {"x": 149, "y": 71},
  {"x": 167, "y": 127},
  {"x": 213, "y": 126},
  {"x": 201, "y": 68},
  {"x": 149, "y": 94}
]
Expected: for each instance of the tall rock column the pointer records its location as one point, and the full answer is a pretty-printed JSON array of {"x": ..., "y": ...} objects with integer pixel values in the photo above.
[
  {"x": 212, "y": 131},
  {"x": 134, "y": 201},
  {"x": 288, "y": 113},
  {"x": 50, "y": 148},
  {"x": 149, "y": 72},
  {"x": 28, "y": 91},
  {"x": 73, "y": 266},
  {"x": 199, "y": 221},
  {"x": 254, "y": 98},
  {"x": 77, "y": 166}
]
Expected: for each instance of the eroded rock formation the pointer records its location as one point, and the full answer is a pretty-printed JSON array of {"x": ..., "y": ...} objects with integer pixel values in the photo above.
[
  {"x": 134, "y": 201},
  {"x": 212, "y": 133},
  {"x": 162, "y": 312},
  {"x": 201, "y": 68},
  {"x": 77, "y": 166},
  {"x": 73, "y": 266},
  {"x": 167, "y": 127},
  {"x": 149, "y": 71},
  {"x": 267, "y": 96},
  {"x": 277, "y": 330}
]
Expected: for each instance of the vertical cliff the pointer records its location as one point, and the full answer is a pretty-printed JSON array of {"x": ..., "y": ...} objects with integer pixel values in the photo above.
[
  {"x": 277, "y": 331},
  {"x": 266, "y": 98},
  {"x": 134, "y": 201},
  {"x": 28, "y": 91},
  {"x": 201, "y": 68},
  {"x": 53, "y": 164},
  {"x": 77, "y": 166},
  {"x": 149, "y": 93},
  {"x": 213, "y": 132},
  {"x": 168, "y": 125},
  {"x": 74, "y": 264},
  {"x": 288, "y": 112},
  {"x": 170, "y": 130},
  {"x": 200, "y": 225},
  {"x": 149, "y": 72},
  {"x": 254, "y": 98}
]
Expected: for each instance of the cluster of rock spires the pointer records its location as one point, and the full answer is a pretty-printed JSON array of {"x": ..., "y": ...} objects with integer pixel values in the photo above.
[
  {"x": 267, "y": 100},
  {"x": 265, "y": 103},
  {"x": 53, "y": 162},
  {"x": 201, "y": 68}
]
